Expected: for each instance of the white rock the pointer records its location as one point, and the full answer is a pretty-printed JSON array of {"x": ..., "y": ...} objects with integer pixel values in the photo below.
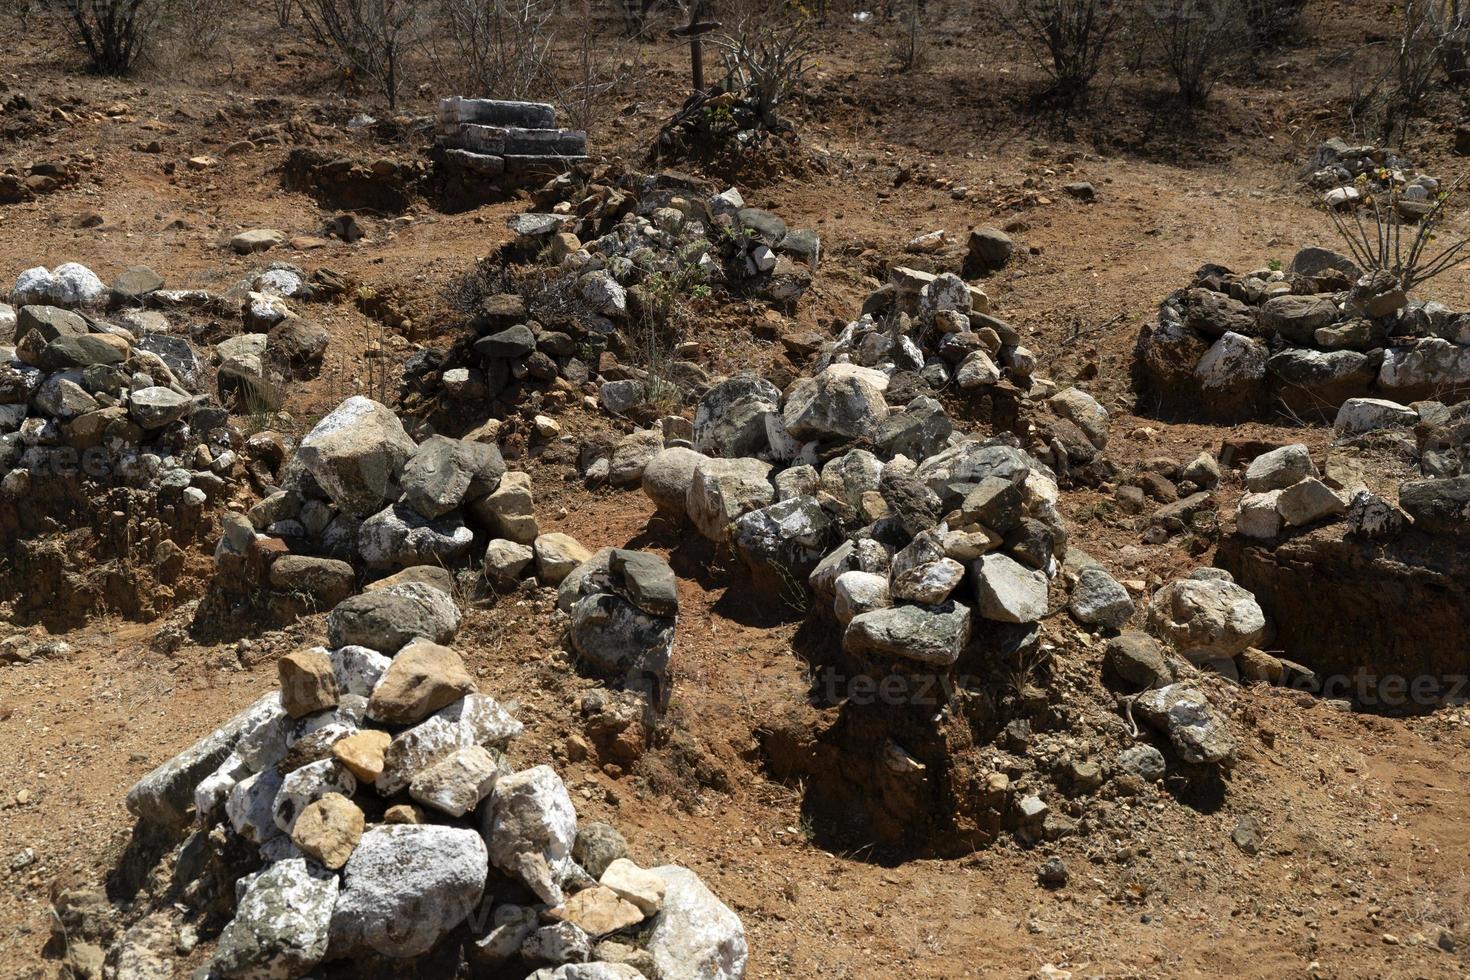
[
  {"x": 695, "y": 936},
  {"x": 1358, "y": 415},
  {"x": 531, "y": 825},
  {"x": 406, "y": 887},
  {"x": 859, "y": 592},
  {"x": 1258, "y": 516}
]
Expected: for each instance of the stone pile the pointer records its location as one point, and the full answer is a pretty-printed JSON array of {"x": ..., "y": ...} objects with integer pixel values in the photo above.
[
  {"x": 360, "y": 494},
  {"x": 1283, "y": 490},
  {"x": 1345, "y": 173},
  {"x": 84, "y": 395},
  {"x": 487, "y": 147},
  {"x": 625, "y": 248},
  {"x": 370, "y": 813},
  {"x": 1297, "y": 342}
]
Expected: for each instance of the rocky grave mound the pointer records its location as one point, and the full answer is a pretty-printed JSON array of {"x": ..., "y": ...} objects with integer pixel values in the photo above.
[
  {"x": 112, "y": 434},
  {"x": 616, "y": 263},
  {"x": 363, "y": 820},
  {"x": 1361, "y": 561},
  {"x": 929, "y": 560},
  {"x": 360, "y": 501},
  {"x": 1348, "y": 174},
  {"x": 1296, "y": 344}
]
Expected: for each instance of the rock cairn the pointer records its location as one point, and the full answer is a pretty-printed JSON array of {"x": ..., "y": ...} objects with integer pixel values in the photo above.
[
  {"x": 930, "y": 558},
  {"x": 110, "y": 418},
  {"x": 1297, "y": 342},
  {"x": 486, "y": 147},
  {"x": 1345, "y": 173},
  {"x": 623, "y": 247},
  {"x": 370, "y": 814}
]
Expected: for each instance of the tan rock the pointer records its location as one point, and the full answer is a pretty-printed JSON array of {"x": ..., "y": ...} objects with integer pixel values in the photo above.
[
  {"x": 423, "y": 678},
  {"x": 634, "y": 884},
  {"x": 406, "y": 813},
  {"x": 458, "y": 783},
  {"x": 329, "y": 830},
  {"x": 556, "y": 555},
  {"x": 598, "y": 911},
  {"x": 307, "y": 683},
  {"x": 362, "y": 753}
]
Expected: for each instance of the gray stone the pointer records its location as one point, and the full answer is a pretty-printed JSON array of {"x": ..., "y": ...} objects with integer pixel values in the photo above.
[
  {"x": 1279, "y": 468},
  {"x": 598, "y": 845},
  {"x": 473, "y": 720},
  {"x": 281, "y": 923},
  {"x": 724, "y": 489},
  {"x": 405, "y": 888},
  {"x": 1358, "y": 415},
  {"x": 1099, "y": 600},
  {"x": 667, "y": 477},
  {"x": 645, "y": 580},
  {"x": 442, "y": 473},
  {"x": 1136, "y": 660},
  {"x": 1143, "y": 761},
  {"x": 1308, "y": 501},
  {"x": 1007, "y": 591},
  {"x": 356, "y": 455},
  {"x": 387, "y": 619},
  {"x": 926, "y": 635},
  {"x": 781, "y": 544},
  {"x": 165, "y": 795},
  {"x": 615, "y": 637},
  {"x": 154, "y": 408},
  {"x": 397, "y": 537},
  {"x": 1197, "y": 732},
  {"x": 730, "y": 420},
  {"x": 843, "y": 402},
  {"x": 530, "y": 824}
]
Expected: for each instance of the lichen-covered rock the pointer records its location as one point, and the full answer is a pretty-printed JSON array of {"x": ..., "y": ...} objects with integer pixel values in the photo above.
[
  {"x": 474, "y": 720},
  {"x": 531, "y": 825},
  {"x": 926, "y": 635},
  {"x": 1206, "y": 619},
  {"x": 842, "y": 402},
  {"x": 782, "y": 543},
  {"x": 724, "y": 489},
  {"x": 1194, "y": 728},
  {"x": 386, "y": 619},
  {"x": 356, "y": 455},
  {"x": 730, "y": 420},
  {"x": 405, "y": 888},
  {"x": 280, "y": 929}
]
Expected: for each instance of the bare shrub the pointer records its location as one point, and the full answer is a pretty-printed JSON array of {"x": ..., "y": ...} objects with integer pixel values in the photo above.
[
  {"x": 593, "y": 71},
  {"x": 497, "y": 49},
  {"x": 765, "y": 62},
  {"x": 1068, "y": 38},
  {"x": 1271, "y": 21},
  {"x": 1199, "y": 38},
  {"x": 1450, "y": 21},
  {"x": 114, "y": 33},
  {"x": 369, "y": 39},
  {"x": 199, "y": 25},
  {"x": 1387, "y": 98},
  {"x": 1393, "y": 252},
  {"x": 909, "y": 46}
]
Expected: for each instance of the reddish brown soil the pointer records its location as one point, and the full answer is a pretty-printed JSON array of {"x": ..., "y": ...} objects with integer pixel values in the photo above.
[{"x": 1367, "y": 854}]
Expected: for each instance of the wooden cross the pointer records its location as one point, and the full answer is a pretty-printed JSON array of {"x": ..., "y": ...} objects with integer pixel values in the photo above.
[{"x": 694, "y": 31}]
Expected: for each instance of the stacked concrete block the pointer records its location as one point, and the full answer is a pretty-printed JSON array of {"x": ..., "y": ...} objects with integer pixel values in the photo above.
[{"x": 488, "y": 145}]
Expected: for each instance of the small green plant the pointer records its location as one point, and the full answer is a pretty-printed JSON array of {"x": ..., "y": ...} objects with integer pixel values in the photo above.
[{"x": 1274, "y": 265}]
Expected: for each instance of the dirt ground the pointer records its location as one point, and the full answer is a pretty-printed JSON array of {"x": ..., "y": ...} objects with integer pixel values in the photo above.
[{"x": 1365, "y": 866}]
